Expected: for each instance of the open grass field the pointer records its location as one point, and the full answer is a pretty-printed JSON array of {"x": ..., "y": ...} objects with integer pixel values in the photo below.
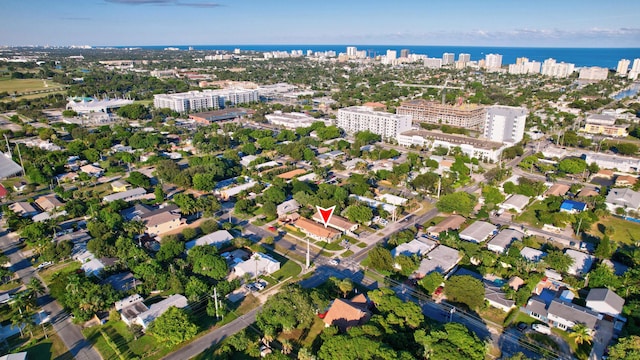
[
  {"x": 26, "y": 85},
  {"x": 625, "y": 232}
]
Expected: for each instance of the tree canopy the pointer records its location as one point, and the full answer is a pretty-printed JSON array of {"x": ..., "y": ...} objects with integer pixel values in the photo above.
[
  {"x": 465, "y": 289},
  {"x": 459, "y": 202},
  {"x": 173, "y": 327},
  {"x": 452, "y": 341}
]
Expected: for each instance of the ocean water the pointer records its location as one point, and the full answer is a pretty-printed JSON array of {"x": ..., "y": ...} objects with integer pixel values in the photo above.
[{"x": 604, "y": 57}]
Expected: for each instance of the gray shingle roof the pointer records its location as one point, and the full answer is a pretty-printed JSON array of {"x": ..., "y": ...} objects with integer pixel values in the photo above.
[
  {"x": 8, "y": 167},
  {"x": 608, "y": 296}
]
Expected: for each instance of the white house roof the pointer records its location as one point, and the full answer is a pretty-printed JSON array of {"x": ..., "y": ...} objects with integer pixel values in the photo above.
[
  {"x": 265, "y": 264},
  {"x": 478, "y": 231},
  {"x": 532, "y": 254},
  {"x": 16, "y": 356},
  {"x": 393, "y": 199},
  {"x": 607, "y": 296},
  {"x": 8, "y": 167},
  {"x": 414, "y": 246},
  {"x": 125, "y": 194},
  {"x": 581, "y": 262},
  {"x": 159, "y": 308},
  {"x": 517, "y": 201},
  {"x": 505, "y": 238},
  {"x": 441, "y": 259},
  {"x": 624, "y": 198},
  {"x": 93, "y": 267},
  {"x": 215, "y": 238},
  {"x": 287, "y": 207},
  {"x": 121, "y": 304}
]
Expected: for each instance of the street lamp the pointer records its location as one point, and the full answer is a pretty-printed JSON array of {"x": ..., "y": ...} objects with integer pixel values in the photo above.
[{"x": 451, "y": 311}]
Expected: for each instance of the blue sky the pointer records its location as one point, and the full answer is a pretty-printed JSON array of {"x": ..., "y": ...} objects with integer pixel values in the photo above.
[{"x": 555, "y": 23}]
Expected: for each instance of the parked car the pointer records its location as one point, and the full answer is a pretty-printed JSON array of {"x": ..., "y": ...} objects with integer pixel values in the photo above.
[
  {"x": 438, "y": 291},
  {"x": 543, "y": 329},
  {"x": 334, "y": 262},
  {"x": 44, "y": 265},
  {"x": 272, "y": 228},
  {"x": 522, "y": 326}
]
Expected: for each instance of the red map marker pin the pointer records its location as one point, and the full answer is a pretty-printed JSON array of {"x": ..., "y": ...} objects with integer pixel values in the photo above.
[{"x": 325, "y": 214}]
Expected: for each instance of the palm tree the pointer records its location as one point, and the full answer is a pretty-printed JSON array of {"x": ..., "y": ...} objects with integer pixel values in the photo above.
[
  {"x": 135, "y": 227},
  {"x": 287, "y": 347},
  {"x": 581, "y": 333},
  {"x": 35, "y": 286},
  {"x": 345, "y": 286}
]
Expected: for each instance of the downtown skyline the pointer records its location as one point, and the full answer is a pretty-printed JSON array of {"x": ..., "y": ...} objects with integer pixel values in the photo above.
[{"x": 201, "y": 22}]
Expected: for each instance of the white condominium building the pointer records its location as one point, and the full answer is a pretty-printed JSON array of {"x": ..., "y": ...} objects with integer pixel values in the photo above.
[
  {"x": 557, "y": 70},
  {"x": 359, "y": 118},
  {"x": 635, "y": 69},
  {"x": 482, "y": 149},
  {"x": 493, "y": 61},
  {"x": 448, "y": 58},
  {"x": 593, "y": 73},
  {"x": 469, "y": 116},
  {"x": 465, "y": 58},
  {"x": 524, "y": 66},
  {"x": 207, "y": 99},
  {"x": 290, "y": 120},
  {"x": 432, "y": 63},
  {"x": 623, "y": 67},
  {"x": 505, "y": 124}
]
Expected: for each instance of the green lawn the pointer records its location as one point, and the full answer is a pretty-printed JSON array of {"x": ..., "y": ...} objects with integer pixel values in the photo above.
[
  {"x": 48, "y": 349},
  {"x": 288, "y": 269},
  {"x": 120, "y": 335},
  {"x": 626, "y": 232},
  {"x": 62, "y": 268},
  {"x": 580, "y": 351},
  {"x": 529, "y": 215},
  {"x": 331, "y": 246},
  {"x": 347, "y": 253},
  {"x": 24, "y": 85}
]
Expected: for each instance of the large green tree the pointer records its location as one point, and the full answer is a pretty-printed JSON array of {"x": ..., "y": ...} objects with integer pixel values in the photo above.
[
  {"x": 452, "y": 341},
  {"x": 359, "y": 213},
  {"x": 206, "y": 261},
  {"x": 465, "y": 289},
  {"x": 289, "y": 309},
  {"x": 173, "y": 327},
  {"x": 459, "y": 202},
  {"x": 558, "y": 260}
]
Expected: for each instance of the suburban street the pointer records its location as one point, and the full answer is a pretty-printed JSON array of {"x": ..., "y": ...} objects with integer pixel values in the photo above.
[{"x": 70, "y": 333}]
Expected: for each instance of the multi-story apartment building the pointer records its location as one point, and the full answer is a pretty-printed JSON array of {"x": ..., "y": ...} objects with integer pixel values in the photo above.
[
  {"x": 635, "y": 69},
  {"x": 558, "y": 70},
  {"x": 465, "y": 58},
  {"x": 433, "y": 63},
  {"x": 623, "y": 67},
  {"x": 593, "y": 73},
  {"x": 493, "y": 61},
  {"x": 207, "y": 99},
  {"x": 448, "y": 58},
  {"x": 404, "y": 53},
  {"x": 360, "y": 118},
  {"x": 468, "y": 116},
  {"x": 478, "y": 148},
  {"x": 604, "y": 125},
  {"x": 505, "y": 123},
  {"x": 524, "y": 66}
]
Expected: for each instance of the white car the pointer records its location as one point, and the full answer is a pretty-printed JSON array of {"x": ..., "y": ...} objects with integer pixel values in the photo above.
[
  {"x": 543, "y": 329},
  {"x": 333, "y": 262}
]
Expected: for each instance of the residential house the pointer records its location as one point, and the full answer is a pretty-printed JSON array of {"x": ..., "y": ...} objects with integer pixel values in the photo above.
[
  {"x": 260, "y": 262},
  {"x": 146, "y": 318},
  {"x": 217, "y": 239},
  {"x": 162, "y": 220},
  {"x": 347, "y": 313},
  {"x": 120, "y": 186},
  {"x": 418, "y": 247},
  {"x": 47, "y": 216},
  {"x": 393, "y": 199},
  {"x": 48, "y": 202},
  {"x": 622, "y": 198},
  {"x": 3, "y": 191},
  {"x": 352, "y": 164},
  {"x": 478, "y": 232},
  {"x": 581, "y": 262},
  {"x": 587, "y": 192},
  {"x": 23, "y": 209},
  {"x": 516, "y": 202},
  {"x": 441, "y": 259},
  {"x": 605, "y": 301},
  {"x": 497, "y": 298},
  {"x": 557, "y": 190},
  {"x": 15, "y": 356},
  {"x": 246, "y": 160},
  {"x": 130, "y": 307},
  {"x": 287, "y": 207},
  {"x": 128, "y": 195},
  {"x": 292, "y": 174},
  {"x": 626, "y": 180},
  {"x": 20, "y": 186},
  {"x": 316, "y": 231},
  {"x": 503, "y": 240},
  {"x": 337, "y": 222},
  {"x": 123, "y": 281},
  {"x": 560, "y": 313},
  {"x": 227, "y": 193},
  {"x": 604, "y": 173},
  {"x": 92, "y": 267},
  {"x": 515, "y": 282},
  {"x": 453, "y": 222},
  {"x": 531, "y": 254},
  {"x": 572, "y": 206},
  {"x": 92, "y": 170}
]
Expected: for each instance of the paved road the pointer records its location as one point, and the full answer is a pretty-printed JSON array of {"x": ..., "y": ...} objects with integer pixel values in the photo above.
[
  {"x": 70, "y": 334},
  {"x": 203, "y": 343}
]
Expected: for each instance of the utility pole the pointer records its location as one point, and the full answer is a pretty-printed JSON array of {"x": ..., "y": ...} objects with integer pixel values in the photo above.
[
  {"x": 21, "y": 163},
  {"x": 215, "y": 299},
  {"x": 8, "y": 148},
  {"x": 578, "y": 229},
  {"x": 439, "y": 185},
  {"x": 308, "y": 263}
]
